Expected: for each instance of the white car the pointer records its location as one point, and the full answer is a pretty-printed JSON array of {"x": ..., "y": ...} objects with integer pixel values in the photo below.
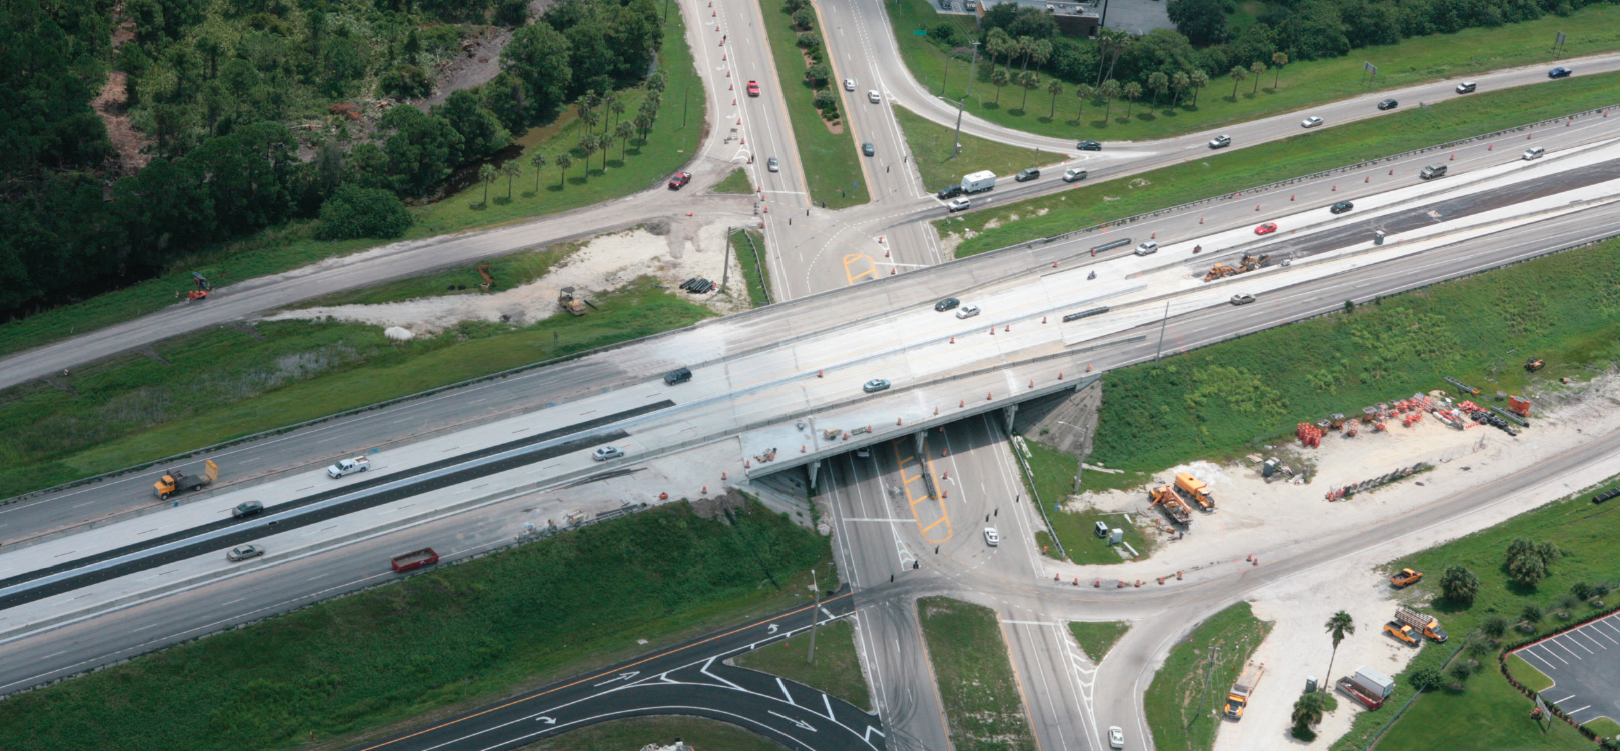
[
  {"x": 1147, "y": 248},
  {"x": 607, "y": 452},
  {"x": 244, "y": 552},
  {"x": 874, "y": 97},
  {"x": 773, "y": 165},
  {"x": 1220, "y": 142},
  {"x": 1310, "y": 122},
  {"x": 1534, "y": 153},
  {"x": 1074, "y": 174},
  {"x": 991, "y": 537},
  {"x": 849, "y": 84},
  {"x": 1116, "y": 737},
  {"x": 348, "y": 467},
  {"x": 958, "y": 204},
  {"x": 967, "y": 311}
]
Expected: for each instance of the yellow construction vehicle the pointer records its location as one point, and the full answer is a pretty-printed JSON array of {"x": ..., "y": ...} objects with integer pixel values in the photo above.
[
  {"x": 1422, "y": 623},
  {"x": 1165, "y": 497},
  {"x": 179, "y": 482},
  {"x": 1219, "y": 271},
  {"x": 1406, "y": 634},
  {"x": 1194, "y": 490},
  {"x": 1405, "y": 578},
  {"x": 565, "y": 300},
  {"x": 1250, "y": 263},
  {"x": 1237, "y": 699}
]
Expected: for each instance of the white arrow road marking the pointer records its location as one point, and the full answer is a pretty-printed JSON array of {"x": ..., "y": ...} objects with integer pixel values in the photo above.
[
  {"x": 772, "y": 629},
  {"x": 546, "y": 720},
  {"x": 621, "y": 677},
  {"x": 801, "y": 723}
]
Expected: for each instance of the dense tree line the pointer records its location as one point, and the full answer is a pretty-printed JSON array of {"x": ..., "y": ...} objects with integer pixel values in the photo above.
[
  {"x": 219, "y": 87},
  {"x": 1021, "y": 42}
]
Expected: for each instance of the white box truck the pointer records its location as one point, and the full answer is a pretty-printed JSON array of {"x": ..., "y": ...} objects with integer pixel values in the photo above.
[{"x": 978, "y": 182}]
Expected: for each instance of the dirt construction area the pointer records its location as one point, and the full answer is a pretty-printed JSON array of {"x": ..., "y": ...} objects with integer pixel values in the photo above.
[
  {"x": 604, "y": 264},
  {"x": 1281, "y": 518}
]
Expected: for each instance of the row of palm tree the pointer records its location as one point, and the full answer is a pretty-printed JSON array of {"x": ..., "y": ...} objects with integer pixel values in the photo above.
[
  {"x": 1109, "y": 90},
  {"x": 591, "y": 108}
]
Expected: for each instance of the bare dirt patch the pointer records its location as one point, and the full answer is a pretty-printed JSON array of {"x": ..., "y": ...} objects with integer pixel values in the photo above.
[
  {"x": 479, "y": 61},
  {"x": 112, "y": 104}
]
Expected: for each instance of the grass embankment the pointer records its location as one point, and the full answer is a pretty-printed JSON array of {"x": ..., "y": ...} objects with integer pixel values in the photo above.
[
  {"x": 1308, "y": 153},
  {"x": 983, "y": 706},
  {"x": 1587, "y": 536},
  {"x": 749, "y": 246},
  {"x": 638, "y": 732},
  {"x": 831, "y": 161},
  {"x": 1054, "y": 471},
  {"x": 837, "y": 669},
  {"x": 1591, "y": 30},
  {"x": 667, "y": 146},
  {"x": 223, "y": 383},
  {"x": 736, "y": 182},
  {"x": 460, "y": 636},
  {"x": 508, "y": 271},
  {"x": 1097, "y": 637},
  {"x": 933, "y": 148},
  {"x": 1191, "y": 684},
  {"x": 1228, "y": 399}
]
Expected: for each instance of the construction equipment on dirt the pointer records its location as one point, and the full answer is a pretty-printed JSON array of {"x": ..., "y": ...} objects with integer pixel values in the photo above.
[
  {"x": 175, "y": 481},
  {"x": 489, "y": 281},
  {"x": 697, "y": 285},
  {"x": 1428, "y": 625},
  {"x": 565, "y": 300},
  {"x": 1219, "y": 271},
  {"x": 1518, "y": 406},
  {"x": 1238, "y": 699},
  {"x": 1534, "y": 364},
  {"x": 1511, "y": 417},
  {"x": 1248, "y": 263},
  {"x": 1194, "y": 490},
  {"x": 1479, "y": 415},
  {"x": 1349, "y": 491},
  {"x": 203, "y": 290},
  {"x": 1166, "y": 498},
  {"x": 1406, "y": 577}
]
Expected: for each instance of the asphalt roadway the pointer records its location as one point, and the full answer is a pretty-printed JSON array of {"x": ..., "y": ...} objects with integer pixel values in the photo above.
[{"x": 689, "y": 679}]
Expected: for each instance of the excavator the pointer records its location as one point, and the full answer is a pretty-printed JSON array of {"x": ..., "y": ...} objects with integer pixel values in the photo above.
[
  {"x": 1172, "y": 504},
  {"x": 1249, "y": 263}
]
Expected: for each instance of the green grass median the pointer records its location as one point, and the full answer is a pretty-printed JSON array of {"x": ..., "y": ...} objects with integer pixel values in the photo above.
[
  {"x": 1097, "y": 637},
  {"x": 372, "y": 662},
  {"x": 984, "y": 708},
  {"x": 1591, "y": 30},
  {"x": 933, "y": 146},
  {"x": 1211, "y": 174},
  {"x": 1184, "y": 701},
  {"x": 831, "y": 165}
]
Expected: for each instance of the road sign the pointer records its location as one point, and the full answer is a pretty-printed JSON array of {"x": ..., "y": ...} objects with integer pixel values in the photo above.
[
  {"x": 1559, "y": 41},
  {"x": 921, "y": 32}
]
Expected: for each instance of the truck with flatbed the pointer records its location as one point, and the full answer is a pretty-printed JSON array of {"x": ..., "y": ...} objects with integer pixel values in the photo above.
[
  {"x": 1422, "y": 623},
  {"x": 1178, "y": 511},
  {"x": 414, "y": 560},
  {"x": 175, "y": 482},
  {"x": 1237, "y": 699}
]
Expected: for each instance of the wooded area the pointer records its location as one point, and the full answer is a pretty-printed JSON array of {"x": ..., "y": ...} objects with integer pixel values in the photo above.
[{"x": 238, "y": 116}]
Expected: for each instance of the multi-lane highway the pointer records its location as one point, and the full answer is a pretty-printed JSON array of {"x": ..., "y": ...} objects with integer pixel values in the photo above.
[{"x": 853, "y": 318}]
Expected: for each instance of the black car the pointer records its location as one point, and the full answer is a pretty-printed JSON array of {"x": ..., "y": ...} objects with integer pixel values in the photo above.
[
  {"x": 1027, "y": 175},
  {"x": 946, "y": 304},
  {"x": 1559, "y": 73},
  {"x": 1089, "y": 146},
  {"x": 868, "y": 149},
  {"x": 1341, "y": 207},
  {"x": 1388, "y": 104},
  {"x": 247, "y": 508},
  {"x": 679, "y": 375},
  {"x": 950, "y": 191}
]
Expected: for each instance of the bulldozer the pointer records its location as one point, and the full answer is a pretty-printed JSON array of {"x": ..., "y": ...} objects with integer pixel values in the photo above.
[
  {"x": 1219, "y": 271},
  {"x": 1535, "y": 364},
  {"x": 1250, "y": 263},
  {"x": 565, "y": 300}
]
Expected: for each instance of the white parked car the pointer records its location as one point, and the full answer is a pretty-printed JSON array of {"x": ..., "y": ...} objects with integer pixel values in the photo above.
[
  {"x": 849, "y": 84},
  {"x": 348, "y": 467},
  {"x": 874, "y": 97},
  {"x": 991, "y": 537},
  {"x": 967, "y": 311},
  {"x": 1310, "y": 122}
]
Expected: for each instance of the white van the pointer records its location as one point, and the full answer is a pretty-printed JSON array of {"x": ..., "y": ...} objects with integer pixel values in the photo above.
[
  {"x": 1535, "y": 152},
  {"x": 1074, "y": 174},
  {"x": 1148, "y": 248}
]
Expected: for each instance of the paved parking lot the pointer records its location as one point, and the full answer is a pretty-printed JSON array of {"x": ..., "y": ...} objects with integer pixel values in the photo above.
[{"x": 1584, "y": 662}]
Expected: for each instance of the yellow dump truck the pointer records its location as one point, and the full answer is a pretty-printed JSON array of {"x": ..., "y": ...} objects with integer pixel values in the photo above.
[
  {"x": 1195, "y": 491},
  {"x": 175, "y": 481},
  {"x": 1237, "y": 699}
]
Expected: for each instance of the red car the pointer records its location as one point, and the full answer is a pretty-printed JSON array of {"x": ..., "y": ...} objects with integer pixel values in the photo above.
[
  {"x": 1266, "y": 229},
  {"x": 680, "y": 179},
  {"x": 753, "y": 88}
]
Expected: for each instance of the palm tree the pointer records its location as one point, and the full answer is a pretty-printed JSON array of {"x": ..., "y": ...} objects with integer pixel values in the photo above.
[
  {"x": 587, "y": 144},
  {"x": 1110, "y": 42},
  {"x": 1307, "y": 710},
  {"x": 998, "y": 44},
  {"x": 587, "y": 103},
  {"x": 999, "y": 78},
  {"x": 537, "y": 161},
  {"x": 487, "y": 175},
  {"x": 1029, "y": 80},
  {"x": 616, "y": 107},
  {"x": 564, "y": 161},
  {"x": 1026, "y": 45},
  {"x": 1132, "y": 91},
  {"x": 511, "y": 170},
  {"x": 1040, "y": 52},
  {"x": 1122, "y": 42},
  {"x": 1338, "y": 627},
  {"x": 603, "y": 141},
  {"x": 1109, "y": 90},
  {"x": 1237, "y": 74},
  {"x": 1054, "y": 88},
  {"x": 589, "y": 117},
  {"x": 1179, "y": 83},
  {"x": 1082, "y": 92},
  {"x": 623, "y": 130},
  {"x": 1257, "y": 69},
  {"x": 1278, "y": 60},
  {"x": 1159, "y": 83},
  {"x": 643, "y": 123},
  {"x": 1200, "y": 79}
]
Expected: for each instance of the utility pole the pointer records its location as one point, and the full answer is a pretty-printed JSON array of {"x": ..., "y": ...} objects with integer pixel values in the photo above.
[
  {"x": 963, "y": 101},
  {"x": 1161, "y": 333},
  {"x": 815, "y": 615}
]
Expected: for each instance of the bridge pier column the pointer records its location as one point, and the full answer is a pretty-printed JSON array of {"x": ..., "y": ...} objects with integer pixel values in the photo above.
[
  {"x": 919, "y": 436},
  {"x": 1010, "y": 410},
  {"x": 814, "y": 467}
]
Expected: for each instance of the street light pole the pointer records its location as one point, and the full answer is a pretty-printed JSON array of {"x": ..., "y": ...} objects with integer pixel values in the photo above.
[
  {"x": 961, "y": 103},
  {"x": 1161, "y": 333},
  {"x": 815, "y": 614}
]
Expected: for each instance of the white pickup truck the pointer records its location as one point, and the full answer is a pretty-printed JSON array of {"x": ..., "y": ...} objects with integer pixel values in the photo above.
[{"x": 348, "y": 467}]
